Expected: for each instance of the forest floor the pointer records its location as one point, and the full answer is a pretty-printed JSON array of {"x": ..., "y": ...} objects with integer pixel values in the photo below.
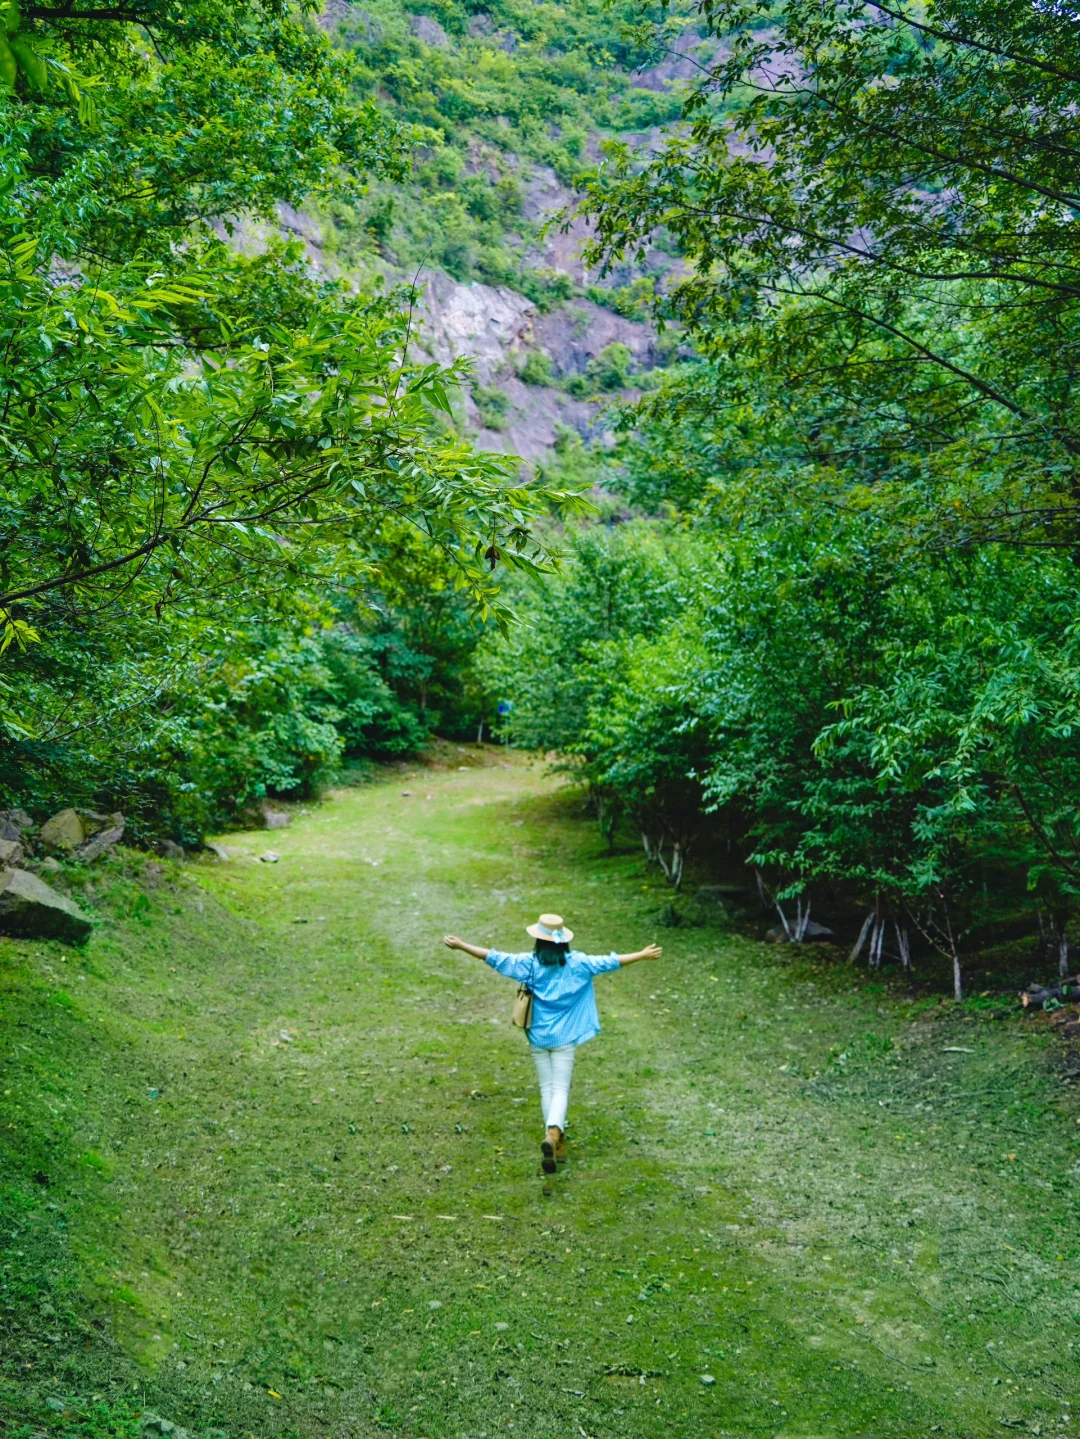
[{"x": 284, "y": 1146}]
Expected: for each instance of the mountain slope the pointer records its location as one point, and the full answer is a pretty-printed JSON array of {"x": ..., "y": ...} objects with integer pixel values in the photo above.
[{"x": 512, "y": 102}]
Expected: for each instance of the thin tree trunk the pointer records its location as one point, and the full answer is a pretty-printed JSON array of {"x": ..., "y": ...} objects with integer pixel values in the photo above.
[
  {"x": 903, "y": 944},
  {"x": 1063, "y": 954},
  {"x": 877, "y": 942},
  {"x": 763, "y": 896},
  {"x": 783, "y": 919},
  {"x": 802, "y": 920},
  {"x": 958, "y": 978},
  {"x": 857, "y": 949}
]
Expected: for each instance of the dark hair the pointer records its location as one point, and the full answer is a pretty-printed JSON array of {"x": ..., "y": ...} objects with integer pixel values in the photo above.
[{"x": 548, "y": 952}]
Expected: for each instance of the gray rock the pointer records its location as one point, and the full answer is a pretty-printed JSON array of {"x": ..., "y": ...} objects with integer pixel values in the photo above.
[
  {"x": 11, "y": 851},
  {"x": 93, "y": 823},
  {"x": 169, "y": 849},
  {"x": 276, "y": 818},
  {"x": 815, "y": 933},
  {"x": 220, "y": 850},
  {"x": 428, "y": 30},
  {"x": 152, "y": 1425},
  {"x": 20, "y": 818},
  {"x": 30, "y": 908},
  {"x": 63, "y": 831},
  {"x": 270, "y": 857},
  {"x": 49, "y": 865},
  {"x": 103, "y": 840}
]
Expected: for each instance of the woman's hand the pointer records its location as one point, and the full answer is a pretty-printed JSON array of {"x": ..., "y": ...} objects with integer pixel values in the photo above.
[
  {"x": 452, "y": 942},
  {"x": 651, "y": 951}
]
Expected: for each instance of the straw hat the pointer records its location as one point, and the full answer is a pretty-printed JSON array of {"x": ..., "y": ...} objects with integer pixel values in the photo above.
[{"x": 550, "y": 927}]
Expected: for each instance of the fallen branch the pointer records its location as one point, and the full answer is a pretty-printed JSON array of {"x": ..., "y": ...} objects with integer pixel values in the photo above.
[{"x": 1036, "y": 996}]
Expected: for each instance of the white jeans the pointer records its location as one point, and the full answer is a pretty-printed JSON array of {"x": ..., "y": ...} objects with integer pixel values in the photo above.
[{"x": 555, "y": 1069}]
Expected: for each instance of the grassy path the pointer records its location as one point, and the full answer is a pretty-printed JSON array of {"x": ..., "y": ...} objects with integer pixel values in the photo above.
[{"x": 304, "y": 1184}]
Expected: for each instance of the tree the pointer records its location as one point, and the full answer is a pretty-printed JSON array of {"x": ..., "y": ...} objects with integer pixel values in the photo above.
[
  {"x": 184, "y": 429},
  {"x": 877, "y": 200}
]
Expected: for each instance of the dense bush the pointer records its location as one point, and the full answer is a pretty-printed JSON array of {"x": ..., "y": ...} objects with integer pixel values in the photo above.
[{"x": 899, "y": 732}]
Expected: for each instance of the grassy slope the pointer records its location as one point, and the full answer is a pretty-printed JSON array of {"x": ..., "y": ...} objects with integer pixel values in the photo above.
[{"x": 857, "y": 1214}]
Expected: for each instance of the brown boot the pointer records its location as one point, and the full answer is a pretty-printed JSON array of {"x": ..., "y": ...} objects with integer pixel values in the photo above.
[
  {"x": 560, "y": 1148},
  {"x": 547, "y": 1148}
]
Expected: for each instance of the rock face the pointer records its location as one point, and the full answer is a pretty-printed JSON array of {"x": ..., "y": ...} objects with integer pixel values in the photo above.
[
  {"x": 63, "y": 831},
  {"x": 33, "y": 910},
  {"x": 496, "y": 328}
]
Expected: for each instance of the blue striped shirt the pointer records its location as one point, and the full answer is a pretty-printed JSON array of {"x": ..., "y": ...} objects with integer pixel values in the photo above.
[{"x": 564, "y": 1005}]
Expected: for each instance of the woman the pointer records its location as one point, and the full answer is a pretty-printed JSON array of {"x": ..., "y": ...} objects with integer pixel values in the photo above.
[{"x": 563, "y": 1011}]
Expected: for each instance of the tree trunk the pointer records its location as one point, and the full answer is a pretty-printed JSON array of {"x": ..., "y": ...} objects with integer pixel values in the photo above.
[
  {"x": 763, "y": 893},
  {"x": 903, "y": 944},
  {"x": 877, "y": 941},
  {"x": 1063, "y": 954},
  {"x": 783, "y": 919},
  {"x": 802, "y": 920},
  {"x": 857, "y": 949},
  {"x": 957, "y": 976}
]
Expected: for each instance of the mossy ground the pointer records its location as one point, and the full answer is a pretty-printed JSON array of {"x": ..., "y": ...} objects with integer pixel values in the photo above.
[{"x": 270, "y": 1160}]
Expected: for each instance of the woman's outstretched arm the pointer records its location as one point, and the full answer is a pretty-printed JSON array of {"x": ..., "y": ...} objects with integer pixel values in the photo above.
[
  {"x": 452, "y": 942},
  {"x": 651, "y": 951}
]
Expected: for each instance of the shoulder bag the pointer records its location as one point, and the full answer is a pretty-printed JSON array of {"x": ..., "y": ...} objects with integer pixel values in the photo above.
[{"x": 521, "y": 1014}]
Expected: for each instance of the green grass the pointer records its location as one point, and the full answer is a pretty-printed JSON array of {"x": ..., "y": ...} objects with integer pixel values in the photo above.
[{"x": 856, "y": 1212}]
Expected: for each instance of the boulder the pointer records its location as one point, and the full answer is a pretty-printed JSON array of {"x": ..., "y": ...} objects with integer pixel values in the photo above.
[
  {"x": 31, "y": 908},
  {"x": 11, "y": 851},
  {"x": 815, "y": 933},
  {"x": 9, "y": 830},
  {"x": 103, "y": 840},
  {"x": 93, "y": 823},
  {"x": 169, "y": 849},
  {"x": 276, "y": 818},
  {"x": 152, "y": 1425},
  {"x": 63, "y": 831}
]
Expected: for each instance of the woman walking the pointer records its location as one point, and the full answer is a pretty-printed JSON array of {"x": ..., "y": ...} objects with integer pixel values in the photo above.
[{"x": 563, "y": 1016}]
